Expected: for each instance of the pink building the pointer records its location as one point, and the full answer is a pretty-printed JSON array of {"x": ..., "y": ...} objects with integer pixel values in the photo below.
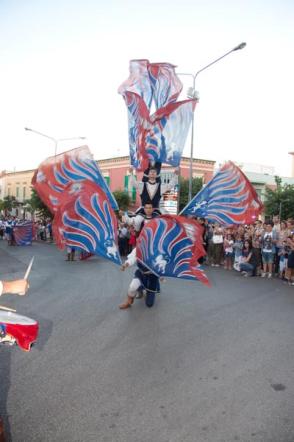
[{"x": 116, "y": 172}]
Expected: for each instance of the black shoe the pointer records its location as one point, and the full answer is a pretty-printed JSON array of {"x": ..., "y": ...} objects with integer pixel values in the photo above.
[{"x": 150, "y": 298}]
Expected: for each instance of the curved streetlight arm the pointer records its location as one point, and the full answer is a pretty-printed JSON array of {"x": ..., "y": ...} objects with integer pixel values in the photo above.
[
  {"x": 40, "y": 133},
  {"x": 240, "y": 46},
  {"x": 71, "y": 138},
  {"x": 236, "y": 48},
  {"x": 55, "y": 140}
]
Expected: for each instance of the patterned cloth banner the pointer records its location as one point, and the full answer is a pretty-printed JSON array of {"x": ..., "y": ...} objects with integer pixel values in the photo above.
[
  {"x": 229, "y": 198},
  {"x": 86, "y": 221},
  {"x": 165, "y": 140},
  {"x": 55, "y": 173},
  {"x": 166, "y": 85},
  {"x": 171, "y": 246},
  {"x": 158, "y": 137},
  {"x": 23, "y": 233},
  {"x": 138, "y": 81}
]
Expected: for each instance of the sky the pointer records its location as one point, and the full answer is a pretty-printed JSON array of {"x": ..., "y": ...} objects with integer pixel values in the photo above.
[{"x": 61, "y": 62}]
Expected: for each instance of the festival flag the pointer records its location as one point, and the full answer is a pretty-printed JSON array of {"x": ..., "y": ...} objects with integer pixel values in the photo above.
[
  {"x": 166, "y": 85},
  {"x": 139, "y": 122},
  {"x": 23, "y": 233},
  {"x": 86, "y": 221},
  {"x": 55, "y": 173},
  {"x": 158, "y": 137},
  {"x": 229, "y": 198},
  {"x": 171, "y": 246},
  {"x": 138, "y": 81},
  {"x": 165, "y": 140}
]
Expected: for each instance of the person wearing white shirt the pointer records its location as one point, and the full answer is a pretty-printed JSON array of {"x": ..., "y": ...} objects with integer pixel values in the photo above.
[{"x": 152, "y": 189}]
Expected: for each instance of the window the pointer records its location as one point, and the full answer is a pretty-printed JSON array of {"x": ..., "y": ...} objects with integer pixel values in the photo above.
[
  {"x": 24, "y": 193},
  {"x": 106, "y": 177},
  {"x": 126, "y": 183},
  {"x": 126, "y": 188},
  {"x": 17, "y": 192},
  {"x": 166, "y": 177}
]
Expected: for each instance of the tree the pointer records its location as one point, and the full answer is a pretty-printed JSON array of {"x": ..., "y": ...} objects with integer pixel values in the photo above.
[
  {"x": 197, "y": 184},
  {"x": 123, "y": 199},
  {"x": 38, "y": 206},
  {"x": 280, "y": 201},
  {"x": 9, "y": 202}
]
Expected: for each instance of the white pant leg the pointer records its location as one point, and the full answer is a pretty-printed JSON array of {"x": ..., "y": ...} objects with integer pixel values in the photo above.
[{"x": 133, "y": 287}]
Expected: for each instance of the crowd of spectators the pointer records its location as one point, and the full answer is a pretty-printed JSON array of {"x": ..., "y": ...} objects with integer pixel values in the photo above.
[
  {"x": 42, "y": 230},
  {"x": 264, "y": 249},
  {"x": 126, "y": 238},
  {"x": 261, "y": 249}
]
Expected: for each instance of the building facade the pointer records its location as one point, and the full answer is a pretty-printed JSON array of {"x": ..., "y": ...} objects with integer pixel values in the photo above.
[
  {"x": 116, "y": 173},
  {"x": 17, "y": 184}
]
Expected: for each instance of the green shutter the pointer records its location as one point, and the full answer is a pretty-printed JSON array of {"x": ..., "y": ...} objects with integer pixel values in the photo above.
[
  {"x": 107, "y": 179},
  {"x": 134, "y": 194},
  {"x": 126, "y": 183}
]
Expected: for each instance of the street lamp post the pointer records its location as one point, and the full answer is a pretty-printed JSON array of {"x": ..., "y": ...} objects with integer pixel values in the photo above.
[
  {"x": 192, "y": 93},
  {"x": 55, "y": 140}
]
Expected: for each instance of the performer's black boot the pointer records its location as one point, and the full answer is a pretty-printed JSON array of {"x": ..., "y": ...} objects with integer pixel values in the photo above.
[{"x": 150, "y": 299}]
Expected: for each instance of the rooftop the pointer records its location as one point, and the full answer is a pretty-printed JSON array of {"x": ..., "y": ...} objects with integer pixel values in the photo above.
[{"x": 264, "y": 178}]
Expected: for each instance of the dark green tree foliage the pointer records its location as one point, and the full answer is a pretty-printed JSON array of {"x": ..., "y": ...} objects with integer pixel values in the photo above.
[
  {"x": 280, "y": 201},
  {"x": 38, "y": 206},
  {"x": 123, "y": 199},
  {"x": 8, "y": 203},
  {"x": 184, "y": 190}
]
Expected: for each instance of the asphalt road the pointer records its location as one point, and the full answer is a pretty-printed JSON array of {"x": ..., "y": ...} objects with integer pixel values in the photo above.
[{"x": 205, "y": 364}]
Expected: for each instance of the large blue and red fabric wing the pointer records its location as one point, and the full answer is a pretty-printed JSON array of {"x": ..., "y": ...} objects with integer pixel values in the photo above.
[
  {"x": 160, "y": 137},
  {"x": 55, "y": 173},
  {"x": 138, "y": 81},
  {"x": 171, "y": 246},
  {"x": 85, "y": 220},
  {"x": 23, "y": 233},
  {"x": 166, "y": 85},
  {"x": 229, "y": 198},
  {"x": 139, "y": 122},
  {"x": 165, "y": 139}
]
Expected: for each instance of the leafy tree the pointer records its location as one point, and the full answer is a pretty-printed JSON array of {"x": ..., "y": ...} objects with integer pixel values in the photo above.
[
  {"x": 197, "y": 184},
  {"x": 38, "y": 206},
  {"x": 9, "y": 202},
  {"x": 280, "y": 201},
  {"x": 123, "y": 199}
]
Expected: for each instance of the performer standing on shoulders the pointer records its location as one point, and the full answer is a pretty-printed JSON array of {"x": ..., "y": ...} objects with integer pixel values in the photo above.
[{"x": 151, "y": 188}]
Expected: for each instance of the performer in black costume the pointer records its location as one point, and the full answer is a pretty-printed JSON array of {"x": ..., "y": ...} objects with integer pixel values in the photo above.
[{"x": 151, "y": 189}]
